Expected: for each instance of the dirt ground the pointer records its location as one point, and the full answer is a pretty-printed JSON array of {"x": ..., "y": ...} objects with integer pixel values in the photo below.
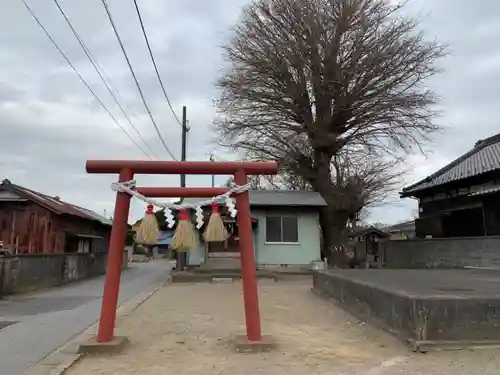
[{"x": 187, "y": 329}]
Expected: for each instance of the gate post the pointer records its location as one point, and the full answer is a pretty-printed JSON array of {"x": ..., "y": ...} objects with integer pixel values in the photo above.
[
  {"x": 126, "y": 169},
  {"x": 248, "y": 274},
  {"x": 114, "y": 263}
]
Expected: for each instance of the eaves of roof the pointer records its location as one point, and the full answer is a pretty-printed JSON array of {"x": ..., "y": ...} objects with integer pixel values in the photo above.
[
  {"x": 483, "y": 158},
  {"x": 53, "y": 204}
]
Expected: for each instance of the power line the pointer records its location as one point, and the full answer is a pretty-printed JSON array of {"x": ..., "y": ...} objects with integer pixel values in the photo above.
[
  {"x": 81, "y": 78},
  {"x": 110, "y": 82},
  {"x": 110, "y": 17},
  {"x": 91, "y": 58},
  {"x": 154, "y": 62}
]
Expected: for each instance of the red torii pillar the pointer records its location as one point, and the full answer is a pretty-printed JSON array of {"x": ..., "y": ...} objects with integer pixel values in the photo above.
[{"x": 126, "y": 169}]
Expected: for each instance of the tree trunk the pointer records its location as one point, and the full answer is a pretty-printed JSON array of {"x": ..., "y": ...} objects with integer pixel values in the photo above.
[
  {"x": 332, "y": 220},
  {"x": 332, "y": 224}
]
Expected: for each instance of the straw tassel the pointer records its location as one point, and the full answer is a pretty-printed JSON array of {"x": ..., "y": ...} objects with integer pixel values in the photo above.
[
  {"x": 147, "y": 233},
  {"x": 184, "y": 237},
  {"x": 215, "y": 230}
]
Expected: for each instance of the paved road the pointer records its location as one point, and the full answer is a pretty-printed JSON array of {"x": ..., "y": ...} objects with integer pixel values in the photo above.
[{"x": 44, "y": 321}]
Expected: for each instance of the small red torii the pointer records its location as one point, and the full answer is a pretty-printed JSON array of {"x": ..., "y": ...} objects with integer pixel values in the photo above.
[{"x": 126, "y": 169}]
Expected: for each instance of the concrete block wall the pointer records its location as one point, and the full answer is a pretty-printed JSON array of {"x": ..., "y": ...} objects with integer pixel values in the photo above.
[
  {"x": 80, "y": 266},
  {"x": 442, "y": 253},
  {"x": 31, "y": 272},
  {"x": 423, "y": 321},
  {"x": 28, "y": 272},
  {"x": 374, "y": 305}
]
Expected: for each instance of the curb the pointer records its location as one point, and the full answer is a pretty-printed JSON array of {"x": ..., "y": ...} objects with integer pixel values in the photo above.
[{"x": 63, "y": 358}]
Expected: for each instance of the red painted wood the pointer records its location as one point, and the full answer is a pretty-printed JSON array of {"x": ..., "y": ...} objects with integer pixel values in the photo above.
[
  {"x": 248, "y": 276},
  {"x": 114, "y": 266},
  {"x": 180, "y": 167},
  {"x": 174, "y": 192},
  {"x": 127, "y": 169}
]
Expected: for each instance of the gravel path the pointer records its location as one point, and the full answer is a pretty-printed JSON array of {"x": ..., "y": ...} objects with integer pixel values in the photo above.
[
  {"x": 45, "y": 320},
  {"x": 186, "y": 329}
]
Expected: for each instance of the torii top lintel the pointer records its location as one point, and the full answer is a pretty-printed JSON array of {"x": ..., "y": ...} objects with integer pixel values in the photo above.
[{"x": 181, "y": 167}]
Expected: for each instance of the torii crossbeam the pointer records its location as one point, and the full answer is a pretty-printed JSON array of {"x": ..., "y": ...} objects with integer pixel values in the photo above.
[{"x": 126, "y": 169}]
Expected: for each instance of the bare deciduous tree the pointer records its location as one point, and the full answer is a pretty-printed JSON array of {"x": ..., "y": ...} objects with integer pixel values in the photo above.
[
  {"x": 360, "y": 181},
  {"x": 310, "y": 78}
]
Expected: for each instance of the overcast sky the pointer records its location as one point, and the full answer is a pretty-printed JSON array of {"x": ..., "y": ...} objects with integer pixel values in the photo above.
[{"x": 50, "y": 123}]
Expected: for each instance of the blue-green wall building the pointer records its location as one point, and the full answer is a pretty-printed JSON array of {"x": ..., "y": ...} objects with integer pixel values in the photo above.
[{"x": 286, "y": 229}]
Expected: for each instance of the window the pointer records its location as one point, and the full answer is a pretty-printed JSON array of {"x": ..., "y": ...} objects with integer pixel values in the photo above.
[{"x": 282, "y": 229}]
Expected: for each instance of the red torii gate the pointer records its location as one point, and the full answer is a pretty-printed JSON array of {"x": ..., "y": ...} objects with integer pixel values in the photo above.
[{"x": 126, "y": 169}]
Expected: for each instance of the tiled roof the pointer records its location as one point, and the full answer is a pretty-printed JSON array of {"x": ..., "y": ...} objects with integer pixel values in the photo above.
[
  {"x": 94, "y": 215},
  {"x": 401, "y": 227},
  {"x": 484, "y": 157},
  {"x": 365, "y": 231},
  {"x": 285, "y": 198},
  {"x": 54, "y": 204}
]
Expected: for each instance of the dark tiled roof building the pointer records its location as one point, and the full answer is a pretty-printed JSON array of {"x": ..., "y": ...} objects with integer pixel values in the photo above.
[{"x": 461, "y": 199}]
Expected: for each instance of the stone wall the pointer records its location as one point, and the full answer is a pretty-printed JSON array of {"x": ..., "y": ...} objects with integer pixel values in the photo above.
[
  {"x": 442, "y": 253},
  {"x": 375, "y": 305},
  {"x": 80, "y": 266},
  {"x": 28, "y": 272},
  {"x": 416, "y": 306}
]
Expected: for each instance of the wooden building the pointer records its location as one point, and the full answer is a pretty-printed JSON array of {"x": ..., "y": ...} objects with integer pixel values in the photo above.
[
  {"x": 32, "y": 222},
  {"x": 461, "y": 199},
  {"x": 401, "y": 231},
  {"x": 366, "y": 242}
]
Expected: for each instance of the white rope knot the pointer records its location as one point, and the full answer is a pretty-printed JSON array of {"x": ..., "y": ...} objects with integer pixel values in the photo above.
[
  {"x": 123, "y": 187},
  {"x": 129, "y": 188}
]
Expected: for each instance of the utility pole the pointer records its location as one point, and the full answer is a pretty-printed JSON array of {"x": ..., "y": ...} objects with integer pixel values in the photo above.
[
  {"x": 185, "y": 130},
  {"x": 181, "y": 256},
  {"x": 213, "y": 176}
]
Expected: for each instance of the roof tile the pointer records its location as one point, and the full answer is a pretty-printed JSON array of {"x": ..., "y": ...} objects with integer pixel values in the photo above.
[
  {"x": 289, "y": 198},
  {"x": 54, "y": 204},
  {"x": 483, "y": 158}
]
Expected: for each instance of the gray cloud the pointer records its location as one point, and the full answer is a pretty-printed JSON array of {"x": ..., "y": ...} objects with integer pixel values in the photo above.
[
  {"x": 468, "y": 85},
  {"x": 50, "y": 124}
]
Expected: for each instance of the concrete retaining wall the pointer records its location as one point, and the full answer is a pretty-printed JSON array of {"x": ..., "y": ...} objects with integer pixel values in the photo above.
[
  {"x": 442, "y": 253},
  {"x": 421, "y": 321},
  {"x": 375, "y": 305},
  {"x": 28, "y": 272}
]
